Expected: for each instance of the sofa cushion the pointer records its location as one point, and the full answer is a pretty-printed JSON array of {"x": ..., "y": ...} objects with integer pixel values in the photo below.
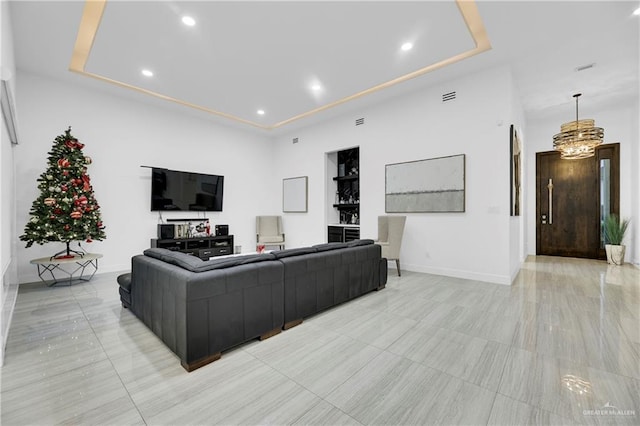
[
  {"x": 229, "y": 262},
  {"x": 177, "y": 258},
  {"x": 281, "y": 254},
  {"x": 330, "y": 246},
  {"x": 195, "y": 264},
  {"x": 124, "y": 281},
  {"x": 356, "y": 243}
]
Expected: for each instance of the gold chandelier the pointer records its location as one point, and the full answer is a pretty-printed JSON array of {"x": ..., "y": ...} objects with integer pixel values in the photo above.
[{"x": 578, "y": 139}]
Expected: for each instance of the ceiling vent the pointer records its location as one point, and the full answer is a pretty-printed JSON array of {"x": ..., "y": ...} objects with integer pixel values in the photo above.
[
  {"x": 585, "y": 67},
  {"x": 448, "y": 96},
  {"x": 295, "y": 140},
  {"x": 359, "y": 121}
]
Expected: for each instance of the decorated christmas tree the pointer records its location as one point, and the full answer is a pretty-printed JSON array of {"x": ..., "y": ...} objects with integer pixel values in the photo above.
[{"x": 66, "y": 209}]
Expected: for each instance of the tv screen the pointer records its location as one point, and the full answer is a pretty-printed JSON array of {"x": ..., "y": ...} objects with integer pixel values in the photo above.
[{"x": 174, "y": 190}]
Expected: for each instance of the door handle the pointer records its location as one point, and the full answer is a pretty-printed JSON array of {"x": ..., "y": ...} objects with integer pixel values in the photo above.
[{"x": 550, "y": 187}]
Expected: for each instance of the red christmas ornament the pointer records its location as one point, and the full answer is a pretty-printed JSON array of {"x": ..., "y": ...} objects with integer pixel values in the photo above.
[
  {"x": 64, "y": 163},
  {"x": 67, "y": 227},
  {"x": 49, "y": 201},
  {"x": 83, "y": 200},
  {"x": 70, "y": 143},
  {"x": 76, "y": 215},
  {"x": 99, "y": 224},
  {"x": 79, "y": 145},
  {"x": 58, "y": 211},
  {"x": 52, "y": 217},
  {"x": 89, "y": 240},
  {"x": 65, "y": 173},
  {"x": 64, "y": 187}
]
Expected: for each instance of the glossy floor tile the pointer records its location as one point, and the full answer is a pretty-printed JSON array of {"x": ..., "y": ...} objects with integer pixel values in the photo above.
[{"x": 560, "y": 346}]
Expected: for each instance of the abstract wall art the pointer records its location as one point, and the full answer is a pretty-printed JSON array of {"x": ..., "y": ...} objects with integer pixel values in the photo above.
[{"x": 432, "y": 185}]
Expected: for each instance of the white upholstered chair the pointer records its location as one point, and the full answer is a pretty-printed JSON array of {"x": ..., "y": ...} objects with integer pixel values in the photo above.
[
  {"x": 390, "y": 229},
  {"x": 269, "y": 231}
]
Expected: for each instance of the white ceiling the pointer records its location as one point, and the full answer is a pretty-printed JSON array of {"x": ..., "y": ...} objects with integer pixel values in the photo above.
[{"x": 243, "y": 56}]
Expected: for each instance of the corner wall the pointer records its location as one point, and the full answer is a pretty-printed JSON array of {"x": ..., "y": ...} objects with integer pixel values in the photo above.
[
  {"x": 474, "y": 244},
  {"x": 120, "y": 135},
  {"x": 517, "y": 235}
]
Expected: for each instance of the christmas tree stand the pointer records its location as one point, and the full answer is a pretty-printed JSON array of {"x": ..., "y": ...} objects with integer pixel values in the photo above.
[
  {"x": 54, "y": 271},
  {"x": 66, "y": 253}
]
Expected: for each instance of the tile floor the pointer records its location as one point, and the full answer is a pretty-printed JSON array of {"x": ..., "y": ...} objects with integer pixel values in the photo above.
[{"x": 560, "y": 346}]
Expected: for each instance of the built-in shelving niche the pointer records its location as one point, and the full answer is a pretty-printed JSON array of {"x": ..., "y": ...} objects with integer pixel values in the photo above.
[{"x": 343, "y": 192}]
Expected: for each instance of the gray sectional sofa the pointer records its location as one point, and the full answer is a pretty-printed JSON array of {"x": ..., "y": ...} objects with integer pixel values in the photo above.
[{"x": 201, "y": 308}]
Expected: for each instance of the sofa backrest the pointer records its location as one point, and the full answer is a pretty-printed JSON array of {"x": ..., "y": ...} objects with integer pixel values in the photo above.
[
  {"x": 195, "y": 264},
  {"x": 280, "y": 254}
]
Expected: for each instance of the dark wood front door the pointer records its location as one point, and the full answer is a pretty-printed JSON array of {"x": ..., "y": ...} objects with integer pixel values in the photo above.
[{"x": 572, "y": 199}]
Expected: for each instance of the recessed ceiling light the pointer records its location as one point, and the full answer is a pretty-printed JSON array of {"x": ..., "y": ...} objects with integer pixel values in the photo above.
[
  {"x": 260, "y": 112},
  {"x": 406, "y": 46},
  {"x": 637, "y": 12},
  {"x": 316, "y": 87},
  {"x": 188, "y": 21},
  {"x": 147, "y": 73}
]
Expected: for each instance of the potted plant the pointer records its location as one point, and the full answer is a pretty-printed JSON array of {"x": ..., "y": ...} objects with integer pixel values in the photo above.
[{"x": 614, "y": 231}]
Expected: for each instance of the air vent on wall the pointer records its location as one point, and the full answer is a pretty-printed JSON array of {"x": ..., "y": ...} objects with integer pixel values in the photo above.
[
  {"x": 295, "y": 140},
  {"x": 585, "y": 67},
  {"x": 359, "y": 121},
  {"x": 448, "y": 96}
]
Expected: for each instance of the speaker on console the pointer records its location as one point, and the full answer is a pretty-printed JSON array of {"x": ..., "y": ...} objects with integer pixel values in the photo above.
[
  {"x": 166, "y": 232},
  {"x": 222, "y": 230}
]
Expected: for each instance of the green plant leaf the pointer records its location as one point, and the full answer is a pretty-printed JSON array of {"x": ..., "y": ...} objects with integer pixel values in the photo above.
[{"x": 614, "y": 229}]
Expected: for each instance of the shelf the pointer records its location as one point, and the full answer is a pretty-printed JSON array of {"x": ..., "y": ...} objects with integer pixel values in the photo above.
[
  {"x": 346, "y": 206},
  {"x": 203, "y": 247},
  {"x": 349, "y": 177}
]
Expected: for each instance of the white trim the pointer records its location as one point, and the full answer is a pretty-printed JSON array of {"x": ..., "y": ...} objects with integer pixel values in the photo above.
[{"x": 456, "y": 273}]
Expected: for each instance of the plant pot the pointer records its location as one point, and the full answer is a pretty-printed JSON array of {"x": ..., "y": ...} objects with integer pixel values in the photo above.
[{"x": 615, "y": 254}]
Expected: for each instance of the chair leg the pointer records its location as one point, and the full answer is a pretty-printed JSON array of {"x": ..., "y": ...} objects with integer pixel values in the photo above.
[{"x": 398, "y": 266}]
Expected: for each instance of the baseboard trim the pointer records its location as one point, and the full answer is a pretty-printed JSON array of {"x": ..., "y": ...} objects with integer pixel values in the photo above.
[
  {"x": 457, "y": 273},
  {"x": 515, "y": 271}
]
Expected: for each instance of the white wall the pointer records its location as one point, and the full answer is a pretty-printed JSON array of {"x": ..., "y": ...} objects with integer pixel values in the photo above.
[
  {"x": 121, "y": 135},
  {"x": 8, "y": 278},
  {"x": 517, "y": 235},
  {"x": 474, "y": 244},
  {"x": 620, "y": 124}
]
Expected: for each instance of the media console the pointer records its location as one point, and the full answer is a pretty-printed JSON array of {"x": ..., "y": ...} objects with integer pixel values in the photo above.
[{"x": 203, "y": 247}]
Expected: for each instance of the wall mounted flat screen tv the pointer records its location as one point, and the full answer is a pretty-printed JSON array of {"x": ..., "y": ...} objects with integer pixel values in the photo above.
[{"x": 172, "y": 190}]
